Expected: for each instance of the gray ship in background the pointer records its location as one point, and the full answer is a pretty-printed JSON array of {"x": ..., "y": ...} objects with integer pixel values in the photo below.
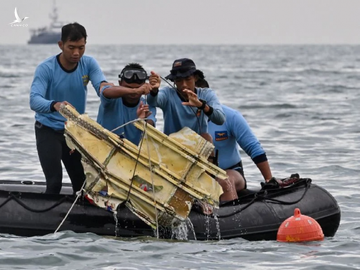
[{"x": 50, "y": 34}]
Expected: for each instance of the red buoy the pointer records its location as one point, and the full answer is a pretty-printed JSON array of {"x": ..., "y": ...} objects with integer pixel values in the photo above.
[{"x": 300, "y": 228}]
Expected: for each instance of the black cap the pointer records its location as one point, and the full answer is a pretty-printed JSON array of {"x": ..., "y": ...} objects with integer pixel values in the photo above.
[{"x": 182, "y": 68}]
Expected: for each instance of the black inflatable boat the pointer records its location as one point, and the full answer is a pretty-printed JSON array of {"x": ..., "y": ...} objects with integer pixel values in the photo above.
[{"x": 257, "y": 215}]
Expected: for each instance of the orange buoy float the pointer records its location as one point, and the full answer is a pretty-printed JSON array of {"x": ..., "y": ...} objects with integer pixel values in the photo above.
[{"x": 300, "y": 228}]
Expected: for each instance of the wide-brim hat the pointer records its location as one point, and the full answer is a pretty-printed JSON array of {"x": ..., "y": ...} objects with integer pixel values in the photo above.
[{"x": 182, "y": 68}]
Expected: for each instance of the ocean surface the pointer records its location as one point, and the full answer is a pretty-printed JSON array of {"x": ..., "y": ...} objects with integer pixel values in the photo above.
[{"x": 302, "y": 102}]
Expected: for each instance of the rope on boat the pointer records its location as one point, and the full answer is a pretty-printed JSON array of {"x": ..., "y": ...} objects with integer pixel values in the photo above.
[
  {"x": 78, "y": 193},
  {"x": 84, "y": 123},
  {"x": 13, "y": 197},
  {"x": 6, "y": 201},
  {"x": 258, "y": 196}
]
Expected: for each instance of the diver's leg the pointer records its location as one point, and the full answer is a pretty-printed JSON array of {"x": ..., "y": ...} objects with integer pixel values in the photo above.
[
  {"x": 48, "y": 144},
  {"x": 74, "y": 168},
  {"x": 238, "y": 180}
]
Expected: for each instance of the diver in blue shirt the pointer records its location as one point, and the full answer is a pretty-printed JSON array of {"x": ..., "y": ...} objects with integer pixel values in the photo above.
[
  {"x": 120, "y": 105},
  {"x": 62, "y": 79},
  {"x": 227, "y": 138},
  {"x": 185, "y": 105},
  {"x": 189, "y": 106}
]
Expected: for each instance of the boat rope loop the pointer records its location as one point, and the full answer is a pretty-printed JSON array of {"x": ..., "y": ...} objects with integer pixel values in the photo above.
[
  {"x": 13, "y": 197},
  {"x": 307, "y": 182},
  {"x": 6, "y": 201},
  {"x": 78, "y": 194},
  {"x": 263, "y": 195}
]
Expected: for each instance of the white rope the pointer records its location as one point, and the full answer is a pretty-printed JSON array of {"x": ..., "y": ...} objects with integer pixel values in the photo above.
[
  {"x": 152, "y": 181},
  {"x": 151, "y": 176},
  {"x": 78, "y": 193},
  {"x": 151, "y": 172},
  {"x": 127, "y": 123}
]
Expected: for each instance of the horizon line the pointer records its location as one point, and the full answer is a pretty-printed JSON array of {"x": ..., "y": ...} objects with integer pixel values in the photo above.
[{"x": 195, "y": 44}]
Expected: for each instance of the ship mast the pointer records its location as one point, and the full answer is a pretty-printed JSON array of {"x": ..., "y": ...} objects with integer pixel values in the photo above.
[{"x": 54, "y": 15}]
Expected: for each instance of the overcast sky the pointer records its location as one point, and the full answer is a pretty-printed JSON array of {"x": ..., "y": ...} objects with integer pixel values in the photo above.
[{"x": 193, "y": 21}]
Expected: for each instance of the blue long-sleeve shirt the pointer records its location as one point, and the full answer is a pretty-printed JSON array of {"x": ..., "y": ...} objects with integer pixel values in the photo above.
[
  {"x": 177, "y": 116},
  {"x": 233, "y": 133},
  {"x": 53, "y": 83},
  {"x": 114, "y": 113}
]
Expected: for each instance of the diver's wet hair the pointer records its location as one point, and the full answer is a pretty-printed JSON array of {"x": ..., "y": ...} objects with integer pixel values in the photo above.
[
  {"x": 73, "y": 32},
  {"x": 133, "y": 66}
]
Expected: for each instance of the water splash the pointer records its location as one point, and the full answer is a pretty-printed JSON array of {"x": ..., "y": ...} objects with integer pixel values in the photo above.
[
  {"x": 207, "y": 226},
  {"x": 190, "y": 225},
  {"x": 218, "y": 231},
  {"x": 116, "y": 222},
  {"x": 180, "y": 231}
]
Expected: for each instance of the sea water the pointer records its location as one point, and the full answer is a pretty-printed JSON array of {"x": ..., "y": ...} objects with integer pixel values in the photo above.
[{"x": 302, "y": 102}]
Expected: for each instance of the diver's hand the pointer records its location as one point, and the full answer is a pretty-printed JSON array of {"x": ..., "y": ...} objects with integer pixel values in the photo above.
[
  {"x": 193, "y": 99},
  {"x": 58, "y": 105},
  {"x": 143, "y": 111},
  {"x": 144, "y": 89},
  {"x": 154, "y": 81}
]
